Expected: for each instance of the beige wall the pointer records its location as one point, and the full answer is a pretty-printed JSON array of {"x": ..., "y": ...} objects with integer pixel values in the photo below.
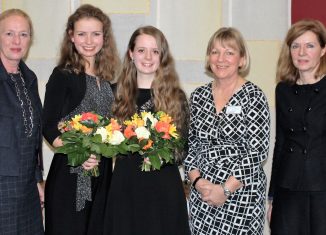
[{"x": 187, "y": 24}]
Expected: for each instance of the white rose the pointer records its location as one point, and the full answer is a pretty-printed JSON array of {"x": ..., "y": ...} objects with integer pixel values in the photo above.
[
  {"x": 142, "y": 133},
  {"x": 116, "y": 138},
  {"x": 102, "y": 131},
  {"x": 151, "y": 118}
]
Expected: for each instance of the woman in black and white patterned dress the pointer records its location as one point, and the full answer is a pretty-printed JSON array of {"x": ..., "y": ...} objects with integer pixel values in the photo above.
[{"x": 228, "y": 141}]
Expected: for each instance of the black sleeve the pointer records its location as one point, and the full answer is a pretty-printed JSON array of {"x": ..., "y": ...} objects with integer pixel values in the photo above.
[
  {"x": 55, "y": 97},
  {"x": 279, "y": 141}
]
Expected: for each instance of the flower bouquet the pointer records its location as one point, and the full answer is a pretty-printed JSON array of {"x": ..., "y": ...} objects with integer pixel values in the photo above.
[
  {"x": 155, "y": 136},
  {"x": 89, "y": 133}
]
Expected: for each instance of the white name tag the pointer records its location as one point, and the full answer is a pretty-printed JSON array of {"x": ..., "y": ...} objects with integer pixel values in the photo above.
[{"x": 233, "y": 110}]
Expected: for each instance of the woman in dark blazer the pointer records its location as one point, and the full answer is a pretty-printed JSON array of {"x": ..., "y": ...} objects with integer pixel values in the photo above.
[
  {"x": 298, "y": 187},
  {"x": 80, "y": 83},
  {"x": 20, "y": 125}
]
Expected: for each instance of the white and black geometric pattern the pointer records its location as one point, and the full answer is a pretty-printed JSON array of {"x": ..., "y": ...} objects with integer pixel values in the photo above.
[{"x": 225, "y": 144}]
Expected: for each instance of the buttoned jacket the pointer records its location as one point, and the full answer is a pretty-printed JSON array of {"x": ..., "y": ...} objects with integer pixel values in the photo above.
[
  {"x": 10, "y": 116},
  {"x": 299, "y": 161}
]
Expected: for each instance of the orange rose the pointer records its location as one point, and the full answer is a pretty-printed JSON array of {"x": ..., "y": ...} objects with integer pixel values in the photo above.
[
  {"x": 148, "y": 145},
  {"x": 129, "y": 132},
  {"x": 163, "y": 127},
  {"x": 89, "y": 116},
  {"x": 85, "y": 129},
  {"x": 115, "y": 125}
]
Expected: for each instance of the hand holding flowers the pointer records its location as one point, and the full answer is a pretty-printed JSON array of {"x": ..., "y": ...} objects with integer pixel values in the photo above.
[
  {"x": 153, "y": 136},
  {"x": 156, "y": 137},
  {"x": 88, "y": 134}
]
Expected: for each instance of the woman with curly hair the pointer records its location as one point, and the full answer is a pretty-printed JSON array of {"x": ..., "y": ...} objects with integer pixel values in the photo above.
[
  {"x": 148, "y": 202},
  {"x": 80, "y": 83}
]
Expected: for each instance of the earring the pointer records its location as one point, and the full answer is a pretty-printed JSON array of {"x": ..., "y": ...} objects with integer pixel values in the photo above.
[{"x": 132, "y": 60}]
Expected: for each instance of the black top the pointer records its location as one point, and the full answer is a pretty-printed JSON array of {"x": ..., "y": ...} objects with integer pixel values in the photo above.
[{"x": 299, "y": 161}]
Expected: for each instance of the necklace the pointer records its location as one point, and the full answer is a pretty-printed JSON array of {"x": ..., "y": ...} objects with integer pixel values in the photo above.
[{"x": 28, "y": 126}]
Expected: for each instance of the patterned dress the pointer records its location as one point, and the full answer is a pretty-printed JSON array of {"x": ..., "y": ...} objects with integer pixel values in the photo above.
[{"x": 235, "y": 143}]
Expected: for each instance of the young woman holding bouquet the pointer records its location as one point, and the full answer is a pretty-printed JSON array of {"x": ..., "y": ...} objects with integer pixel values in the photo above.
[
  {"x": 80, "y": 83},
  {"x": 151, "y": 202}
]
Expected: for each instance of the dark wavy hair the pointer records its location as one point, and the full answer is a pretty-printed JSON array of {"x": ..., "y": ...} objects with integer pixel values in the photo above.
[{"x": 106, "y": 60}]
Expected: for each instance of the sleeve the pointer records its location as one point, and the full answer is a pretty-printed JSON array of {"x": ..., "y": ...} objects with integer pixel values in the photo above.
[
  {"x": 38, "y": 174},
  {"x": 54, "y": 100},
  {"x": 191, "y": 161},
  {"x": 279, "y": 142},
  {"x": 39, "y": 166},
  {"x": 257, "y": 121}
]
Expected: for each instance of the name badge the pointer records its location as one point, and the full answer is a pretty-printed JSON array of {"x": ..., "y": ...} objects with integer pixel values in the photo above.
[{"x": 233, "y": 110}]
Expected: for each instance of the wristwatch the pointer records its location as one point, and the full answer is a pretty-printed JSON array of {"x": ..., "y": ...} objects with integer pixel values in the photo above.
[{"x": 227, "y": 192}]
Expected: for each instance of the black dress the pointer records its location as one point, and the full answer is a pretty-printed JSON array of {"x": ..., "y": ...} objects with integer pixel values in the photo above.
[
  {"x": 145, "y": 203},
  {"x": 75, "y": 203}
]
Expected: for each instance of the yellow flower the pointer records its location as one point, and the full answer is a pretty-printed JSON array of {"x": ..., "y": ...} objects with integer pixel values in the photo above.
[
  {"x": 135, "y": 121},
  {"x": 165, "y": 117},
  {"x": 173, "y": 131}
]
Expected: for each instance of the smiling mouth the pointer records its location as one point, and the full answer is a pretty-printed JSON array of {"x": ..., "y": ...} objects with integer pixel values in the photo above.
[
  {"x": 89, "y": 48},
  {"x": 221, "y": 66},
  {"x": 147, "y": 65}
]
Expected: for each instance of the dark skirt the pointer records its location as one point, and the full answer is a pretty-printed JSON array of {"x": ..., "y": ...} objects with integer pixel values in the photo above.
[
  {"x": 146, "y": 203},
  {"x": 298, "y": 213},
  {"x": 20, "y": 208},
  {"x": 61, "y": 216}
]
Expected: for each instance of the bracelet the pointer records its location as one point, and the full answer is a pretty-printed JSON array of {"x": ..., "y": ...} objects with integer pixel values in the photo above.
[{"x": 196, "y": 180}]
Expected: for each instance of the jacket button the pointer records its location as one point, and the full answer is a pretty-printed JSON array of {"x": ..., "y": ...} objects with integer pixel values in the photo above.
[
  {"x": 291, "y": 150},
  {"x": 316, "y": 90},
  {"x": 309, "y": 109},
  {"x": 291, "y": 130},
  {"x": 304, "y": 129},
  {"x": 290, "y": 109},
  {"x": 296, "y": 92},
  {"x": 304, "y": 151}
]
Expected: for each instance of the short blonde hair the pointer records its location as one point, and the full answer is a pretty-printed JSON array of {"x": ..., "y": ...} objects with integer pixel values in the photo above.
[
  {"x": 18, "y": 12},
  {"x": 233, "y": 38}
]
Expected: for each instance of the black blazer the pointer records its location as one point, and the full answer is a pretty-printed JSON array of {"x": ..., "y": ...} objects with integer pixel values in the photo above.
[
  {"x": 10, "y": 115},
  {"x": 299, "y": 161},
  {"x": 64, "y": 92}
]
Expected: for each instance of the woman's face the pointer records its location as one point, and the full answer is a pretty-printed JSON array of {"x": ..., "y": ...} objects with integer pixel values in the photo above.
[
  {"x": 306, "y": 52},
  {"x": 146, "y": 55},
  {"x": 15, "y": 39},
  {"x": 225, "y": 60},
  {"x": 88, "y": 37}
]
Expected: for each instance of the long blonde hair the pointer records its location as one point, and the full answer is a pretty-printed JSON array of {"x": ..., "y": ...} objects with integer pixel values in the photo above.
[{"x": 107, "y": 59}]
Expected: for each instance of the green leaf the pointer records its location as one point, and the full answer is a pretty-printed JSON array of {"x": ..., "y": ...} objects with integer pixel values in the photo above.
[
  {"x": 155, "y": 161},
  {"x": 77, "y": 159},
  {"x": 96, "y": 138}
]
